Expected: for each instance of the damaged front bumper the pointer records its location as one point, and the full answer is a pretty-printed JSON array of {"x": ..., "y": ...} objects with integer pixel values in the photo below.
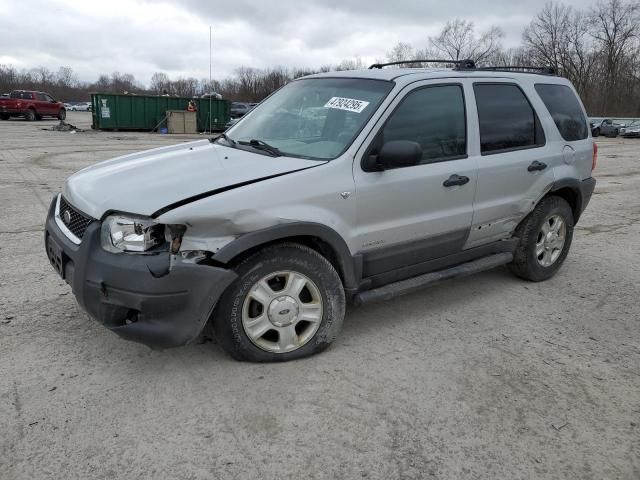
[{"x": 144, "y": 298}]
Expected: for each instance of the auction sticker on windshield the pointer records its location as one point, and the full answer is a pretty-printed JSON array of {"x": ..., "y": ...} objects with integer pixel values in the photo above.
[{"x": 348, "y": 104}]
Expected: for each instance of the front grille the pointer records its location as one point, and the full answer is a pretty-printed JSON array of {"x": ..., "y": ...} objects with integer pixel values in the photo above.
[{"x": 76, "y": 221}]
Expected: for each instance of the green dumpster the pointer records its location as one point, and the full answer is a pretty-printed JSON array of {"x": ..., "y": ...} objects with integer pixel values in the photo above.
[{"x": 147, "y": 112}]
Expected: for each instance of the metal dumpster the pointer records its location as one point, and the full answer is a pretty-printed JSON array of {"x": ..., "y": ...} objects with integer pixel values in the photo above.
[{"x": 148, "y": 112}]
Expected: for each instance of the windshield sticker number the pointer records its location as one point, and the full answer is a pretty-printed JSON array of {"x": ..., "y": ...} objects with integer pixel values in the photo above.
[{"x": 348, "y": 104}]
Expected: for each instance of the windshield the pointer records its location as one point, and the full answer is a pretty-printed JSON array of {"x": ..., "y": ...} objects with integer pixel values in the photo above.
[{"x": 315, "y": 118}]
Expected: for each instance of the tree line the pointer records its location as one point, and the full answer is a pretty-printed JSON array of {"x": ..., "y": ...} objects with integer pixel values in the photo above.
[{"x": 598, "y": 49}]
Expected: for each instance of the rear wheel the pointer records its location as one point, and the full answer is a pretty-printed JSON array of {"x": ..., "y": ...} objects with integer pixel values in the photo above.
[
  {"x": 596, "y": 133},
  {"x": 30, "y": 115},
  {"x": 287, "y": 303},
  {"x": 545, "y": 238},
  {"x": 5, "y": 116}
]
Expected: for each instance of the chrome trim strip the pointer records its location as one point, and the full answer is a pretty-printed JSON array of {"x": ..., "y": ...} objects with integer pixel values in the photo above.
[{"x": 61, "y": 224}]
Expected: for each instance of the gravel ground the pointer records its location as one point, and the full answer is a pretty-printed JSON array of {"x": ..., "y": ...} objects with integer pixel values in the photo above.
[{"x": 486, "y": 377}]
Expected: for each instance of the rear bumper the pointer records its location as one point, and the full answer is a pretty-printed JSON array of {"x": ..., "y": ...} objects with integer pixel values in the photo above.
[
  {"x": 587, "y": 187},
  {"x": 159, "y": 300}
]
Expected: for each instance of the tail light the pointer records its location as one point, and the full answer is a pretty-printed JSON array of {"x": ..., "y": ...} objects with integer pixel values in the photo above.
[{"x": 595, "y": 156}]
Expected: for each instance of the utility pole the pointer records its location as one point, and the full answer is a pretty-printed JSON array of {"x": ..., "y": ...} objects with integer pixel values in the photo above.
[{"x": 210, "y": 74}]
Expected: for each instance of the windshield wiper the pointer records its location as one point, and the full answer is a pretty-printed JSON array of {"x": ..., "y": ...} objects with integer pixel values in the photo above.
[
  {"x": 229, "y": 140},
  {"x": 262, "y": 145}
]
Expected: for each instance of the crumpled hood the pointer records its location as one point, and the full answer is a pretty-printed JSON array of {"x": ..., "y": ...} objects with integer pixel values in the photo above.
[{"x": 145, "y": 182}]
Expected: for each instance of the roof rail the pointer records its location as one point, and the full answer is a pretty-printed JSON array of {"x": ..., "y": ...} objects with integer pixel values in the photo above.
[
  {"x": 460, "y": 64},
  {"x": 523, "y": 69}
]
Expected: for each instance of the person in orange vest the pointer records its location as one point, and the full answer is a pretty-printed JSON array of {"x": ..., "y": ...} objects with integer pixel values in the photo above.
[{"x": 192, "y": 106}]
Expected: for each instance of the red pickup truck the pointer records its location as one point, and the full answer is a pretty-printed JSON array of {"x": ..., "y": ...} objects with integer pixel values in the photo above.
[{"x": 31, "y": 105}]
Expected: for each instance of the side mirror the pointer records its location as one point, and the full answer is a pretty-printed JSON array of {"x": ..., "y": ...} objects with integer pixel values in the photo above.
[{"x": 394, "y": 154}]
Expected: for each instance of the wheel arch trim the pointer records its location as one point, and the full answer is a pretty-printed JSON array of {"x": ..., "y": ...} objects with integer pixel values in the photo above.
[
  {"x": 575, "y": 186},
  {"x": 349, "y": 266}
]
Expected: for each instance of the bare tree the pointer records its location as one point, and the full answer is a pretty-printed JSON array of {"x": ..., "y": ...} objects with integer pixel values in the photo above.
[
  {"x": 458, "y": 41},
  {"x": 43, "y": 76},
  {"x": 66, "y": 77},
  {"x": 559, "y": 37},
  {"x": 355, "y": 63},
  {"x": 160, "y": 83},
  {"x": 616, "y": 26},
  {"x": 401, "y": 52}
]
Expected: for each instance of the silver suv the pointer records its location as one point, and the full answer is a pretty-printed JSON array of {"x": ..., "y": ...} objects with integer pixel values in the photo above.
[{"x": 344, "y": 186}]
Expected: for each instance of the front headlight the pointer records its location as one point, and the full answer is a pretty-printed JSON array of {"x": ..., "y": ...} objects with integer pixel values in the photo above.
[{"x": 127, "y": 233}]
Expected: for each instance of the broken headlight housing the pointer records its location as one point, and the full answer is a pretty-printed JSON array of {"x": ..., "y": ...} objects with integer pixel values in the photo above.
[{"x": 128, "y": 233}]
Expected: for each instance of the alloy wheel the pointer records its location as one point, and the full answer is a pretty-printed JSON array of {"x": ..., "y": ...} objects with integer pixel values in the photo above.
[
  {"x": 551, "y": 239},
  {"x": 282, "y": 311}
]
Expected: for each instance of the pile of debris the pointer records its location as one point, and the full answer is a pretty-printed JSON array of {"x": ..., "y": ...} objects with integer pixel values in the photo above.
[{"x": 64, "y": 127}]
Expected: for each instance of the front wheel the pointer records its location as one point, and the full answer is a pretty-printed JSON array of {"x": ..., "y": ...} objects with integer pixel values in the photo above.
[
  {"x": 62, "y": 115},
  {"x": 544, "y": 240},
  {"x": 4, "y": 116},
  {"x": 30, "y": 115},
  {"x": 287, "y": 303}
]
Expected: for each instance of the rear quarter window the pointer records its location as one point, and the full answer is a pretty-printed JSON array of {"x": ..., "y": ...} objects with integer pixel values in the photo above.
[{"x": 565, "y": 111}]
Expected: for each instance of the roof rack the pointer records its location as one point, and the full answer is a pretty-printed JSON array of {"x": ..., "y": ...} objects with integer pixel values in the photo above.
[
  {"x": 471, "y": 65},
  {"x": 523, "y": 69},
  {"x": 460, "y": 64}
]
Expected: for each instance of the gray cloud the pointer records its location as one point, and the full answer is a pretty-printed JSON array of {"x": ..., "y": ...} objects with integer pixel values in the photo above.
[{"x": 145, "y": 36}]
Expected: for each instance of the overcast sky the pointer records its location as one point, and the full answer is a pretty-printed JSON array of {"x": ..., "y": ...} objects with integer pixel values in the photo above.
[{"x": 145, "y": 36}]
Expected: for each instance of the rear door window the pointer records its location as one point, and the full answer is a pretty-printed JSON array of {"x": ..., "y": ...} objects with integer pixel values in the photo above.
[
  {"x": 565, "y": 111},
  {"x": 21, "y": 95},
  {"x": 507, "y": 119}
]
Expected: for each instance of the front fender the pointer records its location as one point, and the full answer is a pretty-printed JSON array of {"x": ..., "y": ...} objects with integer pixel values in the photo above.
[{"x": 349, "y": 264}]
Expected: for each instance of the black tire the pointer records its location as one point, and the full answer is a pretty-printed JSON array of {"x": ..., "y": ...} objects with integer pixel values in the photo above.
[
  {"x": 596, "y": 133},
  {"x": 38, "y": 117},
  {"x": 525, "y": 263},
  {"x": 227, "y": 317},
  {"x": 63, "y": 114},
  {"x": 30, "y": 115},
  {"x": 5, "y": 116}
]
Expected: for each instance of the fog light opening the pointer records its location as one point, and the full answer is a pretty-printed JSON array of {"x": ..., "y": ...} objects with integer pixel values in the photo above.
[{"x": 132, "y": 317}]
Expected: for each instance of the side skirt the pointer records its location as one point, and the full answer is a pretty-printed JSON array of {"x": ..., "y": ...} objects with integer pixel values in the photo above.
[
  {"x": 440, "y": 263},
  {"x": 412, "y": 284}
]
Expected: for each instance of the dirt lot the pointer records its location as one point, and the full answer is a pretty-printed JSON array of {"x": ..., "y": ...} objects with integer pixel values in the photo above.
[{"x": 487, "y": 377}]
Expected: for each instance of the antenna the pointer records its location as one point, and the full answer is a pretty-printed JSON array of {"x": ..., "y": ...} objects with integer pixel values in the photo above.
[{"x": 210, "y": 74}]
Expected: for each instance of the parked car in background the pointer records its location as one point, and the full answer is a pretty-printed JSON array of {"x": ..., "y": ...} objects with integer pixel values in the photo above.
[
  {"x": 4, "y": 95},
  {"x": 231, "y": 122},
  {"x": 264, "y": 233},
  {"x": 607, "y": 127},
  {"x": 81, "y": 107},
  {"x": 214, "y": 95},
  {"x": 631, "y": 131},
  {"x": 239, "y": 109},
  {"x": 31, "y": 105}
]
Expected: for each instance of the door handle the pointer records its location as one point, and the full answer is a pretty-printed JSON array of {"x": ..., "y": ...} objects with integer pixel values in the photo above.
[
  {"x": 536, "y": 166},
  {"x": 455, "y": 179}
]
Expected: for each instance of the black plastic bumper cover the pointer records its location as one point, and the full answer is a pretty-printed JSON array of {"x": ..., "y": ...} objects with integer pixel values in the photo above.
[
  {"x": 137, "y": 296},
  {"x": 587, "y": 187}
]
